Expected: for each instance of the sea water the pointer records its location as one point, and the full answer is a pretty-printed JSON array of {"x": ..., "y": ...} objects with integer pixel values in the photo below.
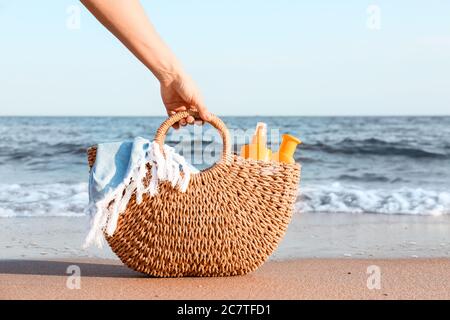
[{"x": 381, "y": 165}]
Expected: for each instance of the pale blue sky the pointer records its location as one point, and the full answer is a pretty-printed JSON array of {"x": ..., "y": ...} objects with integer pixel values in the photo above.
[{"x": 248, "y": 57}]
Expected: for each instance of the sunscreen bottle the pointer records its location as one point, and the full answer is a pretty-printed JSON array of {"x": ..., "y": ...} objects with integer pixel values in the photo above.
[
  {"x": 287, "y": 149},
  {"x": 257, "y": 149}
]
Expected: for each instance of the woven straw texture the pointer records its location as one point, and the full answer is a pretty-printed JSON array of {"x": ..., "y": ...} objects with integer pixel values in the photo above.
[{"x": 228, "y": 222}]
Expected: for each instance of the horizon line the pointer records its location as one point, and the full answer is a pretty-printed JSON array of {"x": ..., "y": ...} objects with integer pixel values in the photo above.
[{"x": 243, "y": 116}]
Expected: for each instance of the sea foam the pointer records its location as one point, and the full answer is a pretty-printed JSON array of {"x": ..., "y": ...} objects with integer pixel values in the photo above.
[
  {"x": 70, "y": 200},
  {"x": 353, "y": 199},
  {"x": 40, "y": 200}
]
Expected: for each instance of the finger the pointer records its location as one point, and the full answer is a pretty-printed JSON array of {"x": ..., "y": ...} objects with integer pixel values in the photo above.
[
  {"x": 179, "y": 109},
  {"x": 176, "y": 126},
  {"x": 171, "y": 112},
  {"x": 190, "y": 119},
  {"x": 203, "y": 112}
]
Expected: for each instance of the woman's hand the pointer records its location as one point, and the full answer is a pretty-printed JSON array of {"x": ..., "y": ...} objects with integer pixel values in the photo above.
[
  {"x": 127, "y": 20},
  {"x": 181, "y": 94}
]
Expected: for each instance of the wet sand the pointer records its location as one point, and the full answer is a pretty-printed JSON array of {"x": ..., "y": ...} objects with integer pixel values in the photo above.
[{"x": 318, "y": 235}]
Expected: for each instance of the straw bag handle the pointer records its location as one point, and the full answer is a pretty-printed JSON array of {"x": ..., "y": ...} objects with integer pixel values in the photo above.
[{"x": 215, "y": 121}]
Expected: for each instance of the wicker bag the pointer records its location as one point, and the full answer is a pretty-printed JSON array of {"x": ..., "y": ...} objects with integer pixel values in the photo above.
[{"x": 228, "y": 222}]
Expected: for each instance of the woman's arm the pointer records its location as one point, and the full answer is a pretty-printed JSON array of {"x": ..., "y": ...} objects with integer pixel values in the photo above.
[{"x": 127, "y": 20}]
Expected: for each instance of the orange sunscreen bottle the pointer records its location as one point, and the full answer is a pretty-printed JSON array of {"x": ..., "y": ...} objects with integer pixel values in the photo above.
[
  {"x": 287, "y": 149},
  {"x": 258, "y": 150}
]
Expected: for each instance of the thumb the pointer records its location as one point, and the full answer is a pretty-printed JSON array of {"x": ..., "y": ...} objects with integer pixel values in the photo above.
[{"x": 203, "y": 111}]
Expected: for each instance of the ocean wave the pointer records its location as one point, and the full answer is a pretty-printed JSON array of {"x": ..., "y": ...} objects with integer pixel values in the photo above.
[
  {"x": 70, "y": 148},
  {"x": 70, "y": 200},
  {"x": 338, "y": 198},
  {"x": 26, "y": 152},
  {"x": 373, "y": 146},
  {"x": 369, "y": 177},
  {"x": 303, "y": 160},
  {"x": 41, "y": 200}
]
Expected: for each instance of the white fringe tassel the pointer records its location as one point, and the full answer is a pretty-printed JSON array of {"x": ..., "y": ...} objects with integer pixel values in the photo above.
[{"x": 105, "y": 213}]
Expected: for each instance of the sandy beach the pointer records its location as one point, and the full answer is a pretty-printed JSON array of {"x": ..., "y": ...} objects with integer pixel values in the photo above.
[
  {"x": 318, "y": 259},
  {"x": 297, "y": 279}
]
